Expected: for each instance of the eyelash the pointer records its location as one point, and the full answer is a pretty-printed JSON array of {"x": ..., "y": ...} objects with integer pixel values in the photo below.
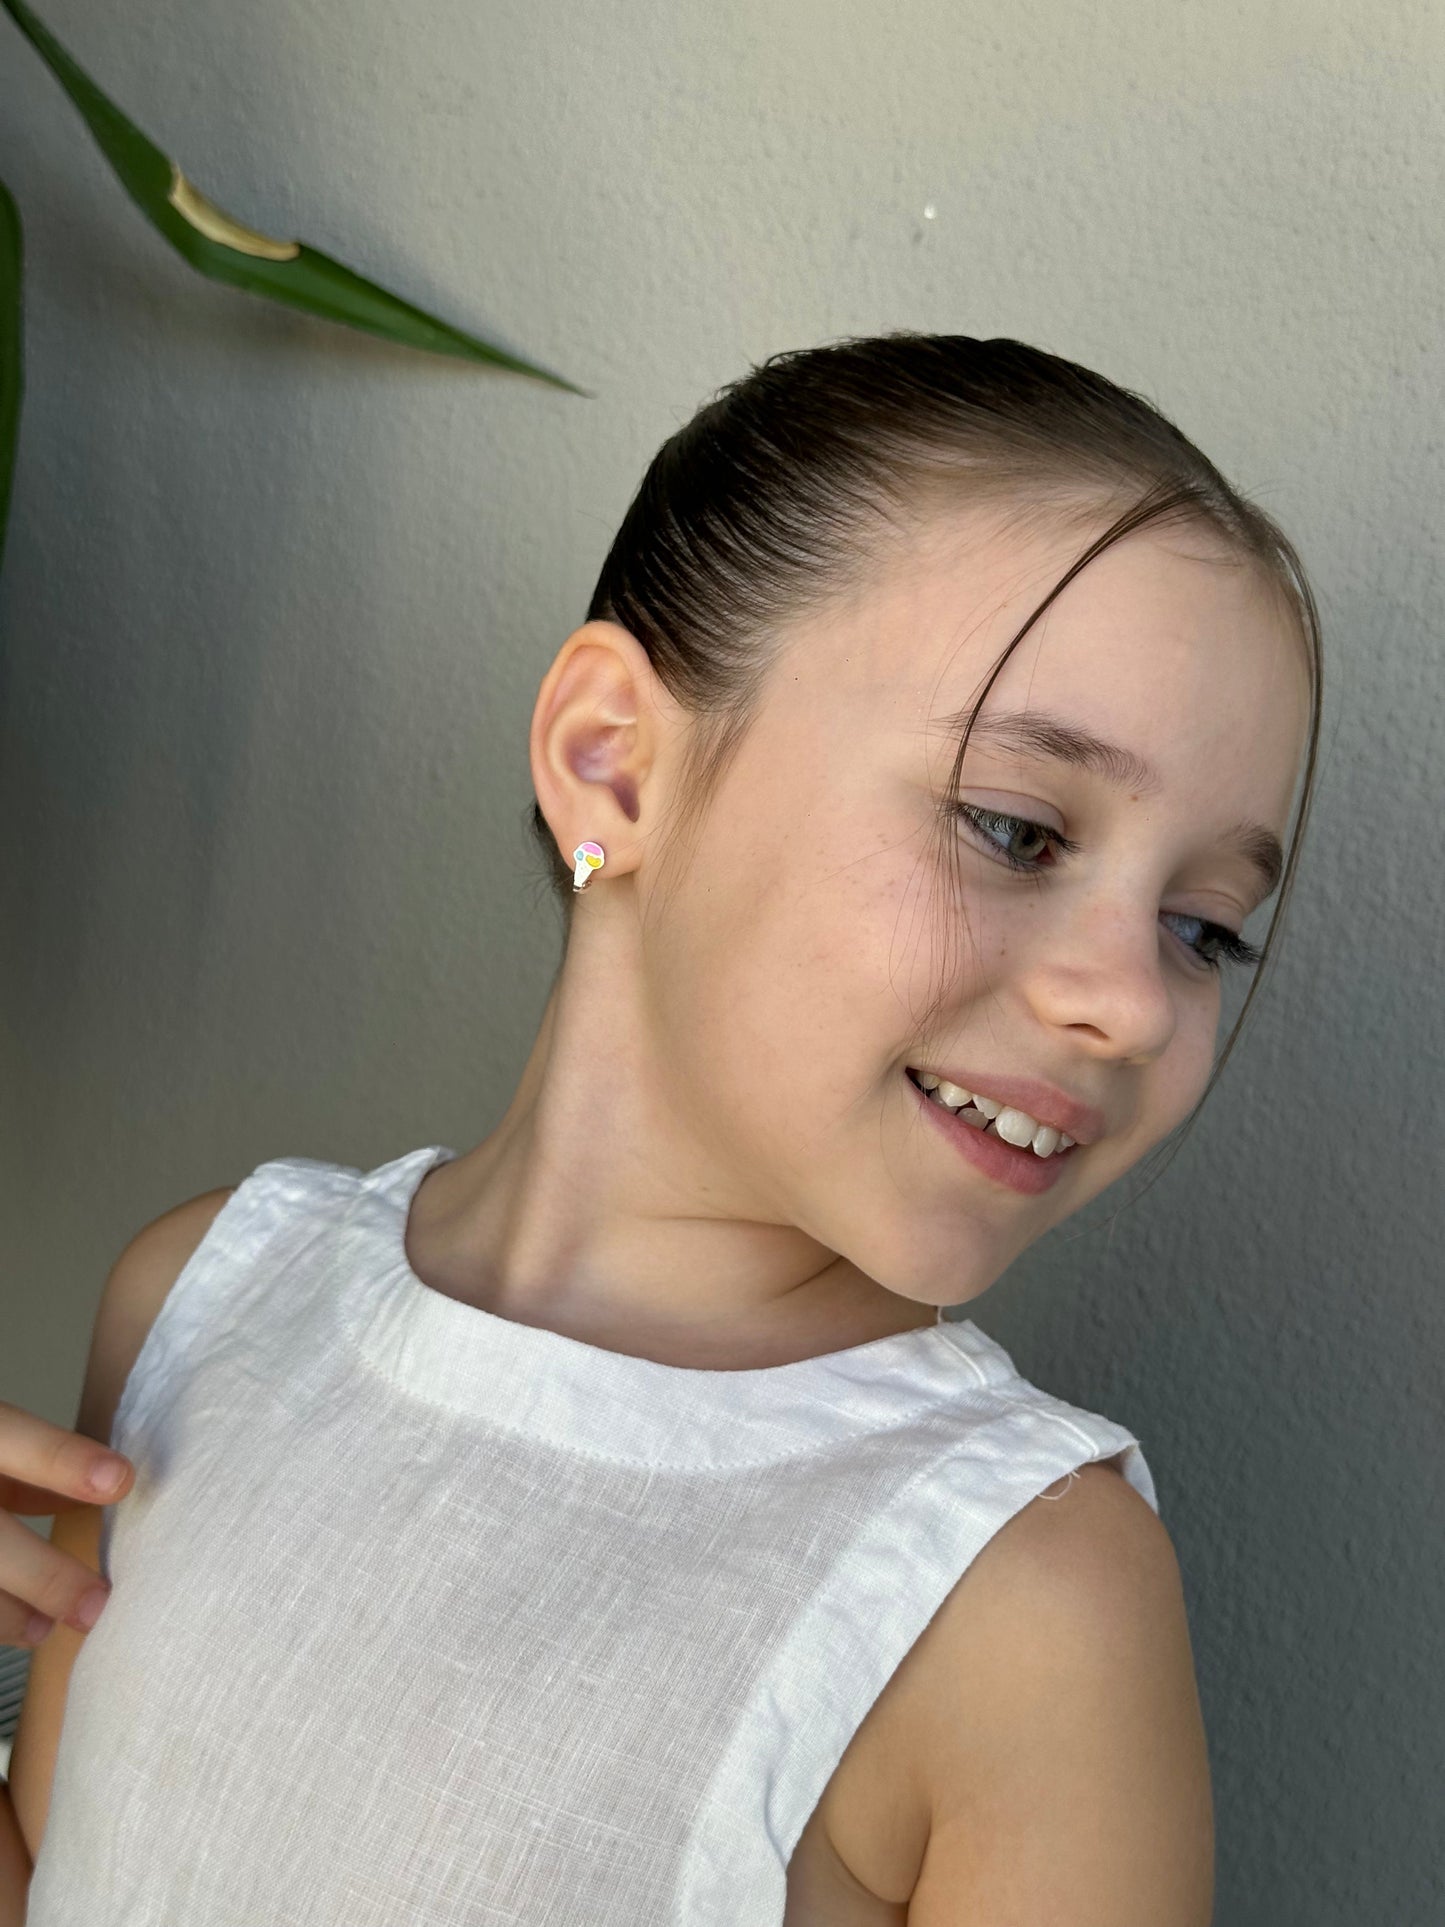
[{"x": 1232, "y": 949}]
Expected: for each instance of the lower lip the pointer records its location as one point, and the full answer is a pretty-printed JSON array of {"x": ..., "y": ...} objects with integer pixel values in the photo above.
[{"x": 1020, "y": 1170}]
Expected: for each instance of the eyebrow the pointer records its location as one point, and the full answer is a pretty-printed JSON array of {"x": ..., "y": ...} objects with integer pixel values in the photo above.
[{"x": 1033, "y": 733}]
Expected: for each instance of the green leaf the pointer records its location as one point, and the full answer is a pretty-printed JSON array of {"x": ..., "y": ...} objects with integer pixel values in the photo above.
[
  {"x": 225, "y": 250},
  {"x": 12, "y": 359}
]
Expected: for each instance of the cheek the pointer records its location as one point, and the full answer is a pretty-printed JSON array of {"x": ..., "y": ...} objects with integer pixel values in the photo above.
[
  {"x": 1187, "y": 1064},
  {"x": 954, "y": 939},
  {"x": 787, "y": 997},
  {"x": 1172, "y": 1086}
]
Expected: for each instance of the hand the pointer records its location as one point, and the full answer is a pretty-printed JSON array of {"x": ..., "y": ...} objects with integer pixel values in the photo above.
[{"x": 45, "y": 1469}]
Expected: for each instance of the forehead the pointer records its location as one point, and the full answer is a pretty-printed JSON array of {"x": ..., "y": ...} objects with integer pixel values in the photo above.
[{"x": 1166, "y": 644}]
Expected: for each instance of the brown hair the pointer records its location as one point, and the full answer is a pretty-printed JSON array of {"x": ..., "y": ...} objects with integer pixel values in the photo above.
[{"x": 760, "y": 509}]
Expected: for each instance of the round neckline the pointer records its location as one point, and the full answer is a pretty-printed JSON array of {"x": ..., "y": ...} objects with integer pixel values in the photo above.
[{"x": 580, "y": 1397}]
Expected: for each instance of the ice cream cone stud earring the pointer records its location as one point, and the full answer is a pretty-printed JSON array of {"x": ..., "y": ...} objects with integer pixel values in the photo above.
[{"x": 587, "y": 857}]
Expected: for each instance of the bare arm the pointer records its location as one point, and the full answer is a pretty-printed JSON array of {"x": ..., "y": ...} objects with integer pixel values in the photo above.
[{"x": 1065, "y": 1748}]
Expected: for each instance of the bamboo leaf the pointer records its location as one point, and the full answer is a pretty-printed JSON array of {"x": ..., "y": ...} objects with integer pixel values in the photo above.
[
  {"x": 223, "y": 249},
  {"x": 12, "y": 355}
]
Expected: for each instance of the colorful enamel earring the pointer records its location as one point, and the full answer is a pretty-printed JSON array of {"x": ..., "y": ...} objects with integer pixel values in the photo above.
[{"x": 587, "y": 857}]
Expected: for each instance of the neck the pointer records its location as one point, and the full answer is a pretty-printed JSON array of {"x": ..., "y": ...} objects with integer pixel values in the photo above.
[{"x": 588, "y": 1211}]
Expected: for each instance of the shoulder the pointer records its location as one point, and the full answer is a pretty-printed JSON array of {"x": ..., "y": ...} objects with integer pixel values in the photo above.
[
  {"x": 1060, "y": 1744},
  {"x": 137, "y": 1286}
]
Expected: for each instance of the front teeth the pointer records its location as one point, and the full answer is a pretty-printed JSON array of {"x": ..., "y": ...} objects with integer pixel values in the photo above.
[{"x": 1013, "y": 1126}]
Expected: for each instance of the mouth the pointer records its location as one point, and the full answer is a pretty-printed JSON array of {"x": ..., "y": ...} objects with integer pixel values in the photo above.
[{"x": 976, "y": 1137}]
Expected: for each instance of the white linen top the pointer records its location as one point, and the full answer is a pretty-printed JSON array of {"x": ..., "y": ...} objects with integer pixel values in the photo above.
[{"x": 425, "y": 1618}]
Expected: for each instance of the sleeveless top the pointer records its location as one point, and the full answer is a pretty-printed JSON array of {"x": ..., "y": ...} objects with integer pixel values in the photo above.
[{"x": 424, "y": 1616}]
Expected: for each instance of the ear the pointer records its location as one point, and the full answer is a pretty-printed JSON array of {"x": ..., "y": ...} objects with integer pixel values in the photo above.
[{"x": 600, "y": 720}]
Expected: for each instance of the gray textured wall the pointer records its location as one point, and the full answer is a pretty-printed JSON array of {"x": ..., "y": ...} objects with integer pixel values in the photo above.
[{"x": 277, "y": 600}]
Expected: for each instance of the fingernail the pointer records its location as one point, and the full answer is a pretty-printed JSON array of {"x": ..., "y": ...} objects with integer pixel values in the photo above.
[
  {"x": 90, "y": 1607},
  {"x": 107, "y": 1476},
  {"x": 36, "y": 1627}
]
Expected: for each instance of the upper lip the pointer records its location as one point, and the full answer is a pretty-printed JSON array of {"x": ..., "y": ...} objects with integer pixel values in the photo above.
[{"x": 1044, "y": 1103}]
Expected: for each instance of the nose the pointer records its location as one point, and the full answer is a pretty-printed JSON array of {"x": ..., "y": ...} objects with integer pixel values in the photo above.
[{"x": 1103, "y": 976}]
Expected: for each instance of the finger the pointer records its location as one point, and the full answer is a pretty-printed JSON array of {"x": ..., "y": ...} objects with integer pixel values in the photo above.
[
  {"x": 43, "y": 1457},
  {"x": 46, "y": 1579},
  {"x": 21, "y": 1625},
  {"x": 34, "y": 1502}
]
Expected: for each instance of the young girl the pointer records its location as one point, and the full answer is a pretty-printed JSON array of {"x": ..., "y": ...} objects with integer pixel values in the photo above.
[{"x": 603, "y": 1526}]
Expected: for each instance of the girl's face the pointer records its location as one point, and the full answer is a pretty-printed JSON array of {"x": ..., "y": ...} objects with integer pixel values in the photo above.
[{"x": 788, "y": 978}]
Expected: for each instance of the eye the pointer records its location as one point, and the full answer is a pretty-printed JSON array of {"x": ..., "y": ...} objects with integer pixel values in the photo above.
[
  {"x": 984, "y": 822},
  {"x": 1228, "y": 947},
  {"x": 1212, "y": 948}
]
